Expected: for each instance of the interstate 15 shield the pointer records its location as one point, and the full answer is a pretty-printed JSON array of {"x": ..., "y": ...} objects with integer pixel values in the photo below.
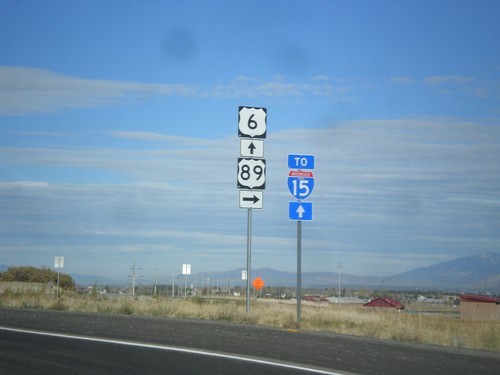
[{"x": 300, "y": 184}]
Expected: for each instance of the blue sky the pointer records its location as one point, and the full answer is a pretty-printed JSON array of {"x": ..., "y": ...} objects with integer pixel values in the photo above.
[{"x": 118, "y": 133}]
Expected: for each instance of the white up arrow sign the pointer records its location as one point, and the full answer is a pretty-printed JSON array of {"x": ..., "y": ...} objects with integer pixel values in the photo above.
[
  {"x": 300, "y": 211},
  {"x": 251, "y": 148}
]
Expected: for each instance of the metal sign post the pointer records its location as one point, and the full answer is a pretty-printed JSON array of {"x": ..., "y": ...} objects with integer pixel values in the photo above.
[
  {"x": 249, "y": 259},
  {"x": 252, "y": 129},
  {"x": 299, "y": 270},
  {"x": 58, "y": 263},
  {"x": 186, "y": 270}
]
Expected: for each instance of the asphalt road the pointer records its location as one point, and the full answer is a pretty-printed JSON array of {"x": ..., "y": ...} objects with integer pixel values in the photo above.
[{"x": 114, "y": 344}]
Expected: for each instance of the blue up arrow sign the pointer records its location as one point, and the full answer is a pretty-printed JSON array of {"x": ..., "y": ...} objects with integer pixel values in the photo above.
[{"x": 300, "y": 211}]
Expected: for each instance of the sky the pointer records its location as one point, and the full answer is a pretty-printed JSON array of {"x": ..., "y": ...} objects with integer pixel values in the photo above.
[{"x": 119, "y": 133}]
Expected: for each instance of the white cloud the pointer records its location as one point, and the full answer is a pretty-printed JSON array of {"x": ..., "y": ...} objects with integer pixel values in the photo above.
[
  {"x": 383, "y": 187},
  {"x": 404, "y": 80},
  {"x": 251, "y": 87},
  {"x": 157, "y": 137},
  {"x": 26, "y": 90},
  {"x": 470, "y": 86},
  {"x": 320, "y": 78},
  {"x": 30, "y": 90},
  {"x": 453, "y": 79}
]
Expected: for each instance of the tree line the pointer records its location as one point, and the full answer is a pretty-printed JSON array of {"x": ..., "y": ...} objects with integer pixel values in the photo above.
[{"x": 44, "y": 275}]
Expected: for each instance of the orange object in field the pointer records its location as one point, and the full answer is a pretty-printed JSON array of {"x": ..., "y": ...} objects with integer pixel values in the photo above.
[{"x": 258, "y": 283}]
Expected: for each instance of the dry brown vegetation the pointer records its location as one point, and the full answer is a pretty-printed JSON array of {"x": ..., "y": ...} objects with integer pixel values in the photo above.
[{"x": 421, "y": 327}]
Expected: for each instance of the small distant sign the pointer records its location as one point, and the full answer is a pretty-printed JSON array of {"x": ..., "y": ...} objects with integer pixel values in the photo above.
[
  {"x": 186, "y": 269},
  {"x": 258, "y": 283},
  {"x": 59, "y": 262}
]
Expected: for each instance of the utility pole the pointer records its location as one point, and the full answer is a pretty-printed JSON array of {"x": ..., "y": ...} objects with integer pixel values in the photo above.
[
  {"x": 338, "y": 274},
  {"x": 173, "y": 284},
  {"x": 156, "y": 282},
  {"x": 133, "y": 276}
]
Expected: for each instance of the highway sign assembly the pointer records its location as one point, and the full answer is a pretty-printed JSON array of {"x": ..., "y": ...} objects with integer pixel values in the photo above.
[
  {"x": 251, "y": 199},
  {"x": 300, "y": 184},
  {"x": 186, "y": 270},
  {"x": 251, "y": 177},
  {"x": 58, "y": 263}
]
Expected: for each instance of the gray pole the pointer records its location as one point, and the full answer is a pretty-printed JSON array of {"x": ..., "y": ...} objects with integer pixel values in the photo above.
[
  {"x": 57, "y": 292},
  {"x": 173, "y": 284},
  {"x": 338, "y": 272},
  {"x": 299, "y": 269},
  {"x": 133, "y": 278},
  {"x": 156, "y": 282},
  {"x": 249, "y": 257}
]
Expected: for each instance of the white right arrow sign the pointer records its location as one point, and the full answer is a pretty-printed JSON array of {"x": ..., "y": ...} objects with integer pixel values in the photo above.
[{"x": 251, "y": 199}]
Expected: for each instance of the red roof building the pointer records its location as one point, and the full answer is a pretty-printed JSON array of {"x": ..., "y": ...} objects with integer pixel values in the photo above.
[
  {"x": 385, "y": 302},
  {"x": 477, "y": 307}
]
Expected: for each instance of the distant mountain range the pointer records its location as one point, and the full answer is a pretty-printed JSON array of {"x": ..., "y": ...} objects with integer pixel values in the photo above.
[
  {"x": 478, "y": 273},
  {"x": 468, "y": 274},
  {"x": 481, "y": 272}
]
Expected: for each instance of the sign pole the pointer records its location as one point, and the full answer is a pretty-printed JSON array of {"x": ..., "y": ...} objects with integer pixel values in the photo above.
[
  {"x": 173, "y": 284},
  {"x": 58, "y": 263},
  {"x": 249, "y": 258},
  {"x": 57, "y": 283},
  {"x": 299, "y": 269}
]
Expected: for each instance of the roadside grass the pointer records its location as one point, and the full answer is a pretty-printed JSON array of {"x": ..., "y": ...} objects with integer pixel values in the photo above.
[{"x": 423, "y": 328}]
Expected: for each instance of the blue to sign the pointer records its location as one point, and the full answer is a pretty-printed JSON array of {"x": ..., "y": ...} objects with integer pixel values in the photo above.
[
  {"x": 300, "y": 211},
  {"x": 300, "y": 161},
  {"x": 300, "y": 184}
]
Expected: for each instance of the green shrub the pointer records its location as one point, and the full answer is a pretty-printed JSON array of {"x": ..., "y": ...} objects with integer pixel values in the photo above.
[
  {"x": 58, "y": 305},
  {"x": 198, "y": 300},
  {"x": 126, "y": 308}
]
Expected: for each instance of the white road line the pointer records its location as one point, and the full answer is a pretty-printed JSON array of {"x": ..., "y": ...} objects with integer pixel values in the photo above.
[{"x": 175, "y": 349}]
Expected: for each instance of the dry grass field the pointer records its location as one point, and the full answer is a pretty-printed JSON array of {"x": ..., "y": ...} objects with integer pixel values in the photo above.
[{"x": 420, "y": 326}]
